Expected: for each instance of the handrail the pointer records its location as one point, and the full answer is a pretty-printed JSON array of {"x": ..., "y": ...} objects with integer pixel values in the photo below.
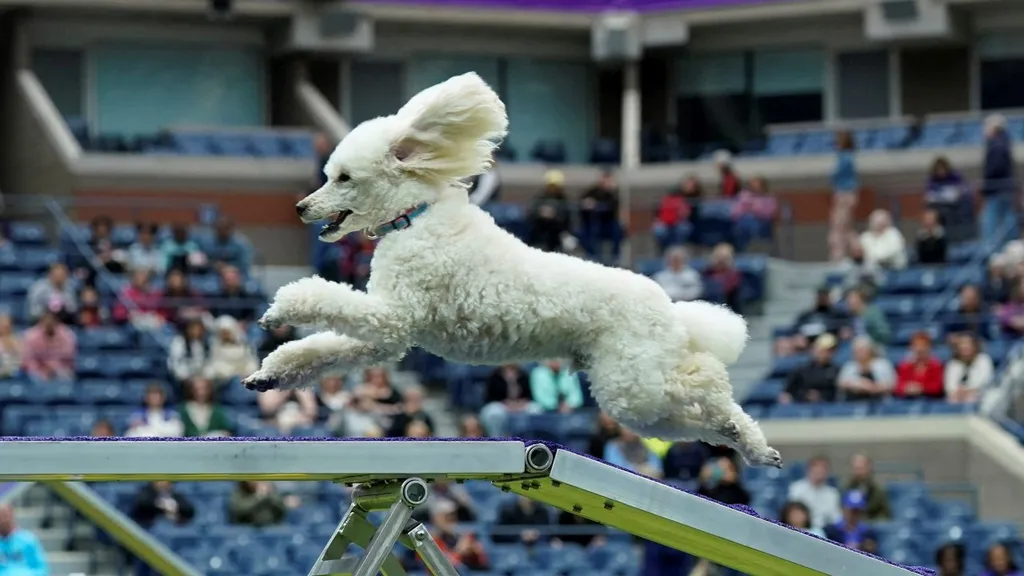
[
  {"x": 65, "y": 223},
  {"x": 995, "y": 403},
  {"x": 122, "y": 529}
]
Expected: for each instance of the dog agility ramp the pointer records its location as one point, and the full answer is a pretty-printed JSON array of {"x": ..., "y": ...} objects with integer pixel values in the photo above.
[{"x": 394, "y": 475}]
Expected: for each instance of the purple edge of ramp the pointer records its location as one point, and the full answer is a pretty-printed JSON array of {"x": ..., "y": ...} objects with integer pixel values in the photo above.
[
  {"x": 554, "y": 448},
  {"x": 583, "y": 5}
]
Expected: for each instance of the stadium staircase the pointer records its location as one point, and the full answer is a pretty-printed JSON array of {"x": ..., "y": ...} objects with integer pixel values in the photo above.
[
  {"x": 69, "y": 540},
  {"x": 790, "y": 290}
]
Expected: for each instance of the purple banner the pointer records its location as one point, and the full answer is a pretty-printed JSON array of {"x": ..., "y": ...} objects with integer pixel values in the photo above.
[{"x": 584, "y": 5}]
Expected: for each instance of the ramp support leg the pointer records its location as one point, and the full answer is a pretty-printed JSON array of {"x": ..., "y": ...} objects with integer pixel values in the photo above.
[{"x": 378, "y": 542}]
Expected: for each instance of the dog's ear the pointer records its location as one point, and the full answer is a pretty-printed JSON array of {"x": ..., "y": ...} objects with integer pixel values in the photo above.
[{"x": 451, "y": 130}]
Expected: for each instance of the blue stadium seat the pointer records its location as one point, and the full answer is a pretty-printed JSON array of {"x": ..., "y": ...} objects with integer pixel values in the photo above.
[
  {"x": 549, "y": 152},
  {"x": 605, "y": 151},
  {"x": 26, "y": 233},
  {"x": 901, "y": 408},
  {"x": 192, "y": 144},
  {"x": 845, "y": 410},
  {"x": 801, "y": 411},
  {"x": 16, "y": 283}
]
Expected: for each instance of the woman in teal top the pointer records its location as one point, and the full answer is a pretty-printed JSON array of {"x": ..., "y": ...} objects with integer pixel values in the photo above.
[
  {"x": 844, "y": 196},
  {"x": 554, "y": 388}
]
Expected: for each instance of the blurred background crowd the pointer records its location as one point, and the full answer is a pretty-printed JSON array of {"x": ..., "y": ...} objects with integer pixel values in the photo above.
[{"x": 851, "y": 191}]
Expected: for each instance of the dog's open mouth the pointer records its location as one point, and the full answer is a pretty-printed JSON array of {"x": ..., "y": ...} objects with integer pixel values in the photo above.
[{"x": 336, "y": 221}]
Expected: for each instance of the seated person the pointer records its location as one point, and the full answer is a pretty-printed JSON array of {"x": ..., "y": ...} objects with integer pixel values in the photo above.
[
  {"x": 679, "y": 280},
  {"x": 852, "y": 531},
  {"x": 256, "y": 503},
  {"x": 677, "y": 213},
  {"x": 507, "y": 392},
  {"x": 554, "y": 388},
  {"x": 155, "y": 418},
  {"x": 753, "y": 208},
  {"x": 1011, "y": 314},
  {"x": 816, "y": 380},
  {"x": 229, "y": 248},
  {"x": 823, "y": 318},
  {"x": 49, "y": 350},
  {"x": 463, "y": 550},
  {"x": 883, "y": 243},
  {"x": 867, "y": 376},
  {"x": 969, "y": 372},
  {"x": 932, "y": 243},
  {"x": 550, "y": 216},
  {"x": 599, "y": 218},
  {"x": 971, "y": 315},
  {"x": 920, "y": 375},
  {"x": 522, "y": 513},
  {"x": 722, "y": 270},
  {"x": 159, "y": 500}
]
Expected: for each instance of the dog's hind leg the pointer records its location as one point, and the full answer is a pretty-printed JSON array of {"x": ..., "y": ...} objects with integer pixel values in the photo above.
[
  {"x": 303, "y": 362},
  {"x": 329, "y": 305}
]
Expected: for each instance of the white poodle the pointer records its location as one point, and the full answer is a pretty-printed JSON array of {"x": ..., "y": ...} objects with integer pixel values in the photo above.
[{"x": 446, "y": 278}]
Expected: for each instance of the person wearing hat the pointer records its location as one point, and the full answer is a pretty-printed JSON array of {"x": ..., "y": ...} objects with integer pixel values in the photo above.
[
  {"x": 816, "y": 380},
  {"x": 852, "y": 531},
  {"x": 550, "y": 214}
]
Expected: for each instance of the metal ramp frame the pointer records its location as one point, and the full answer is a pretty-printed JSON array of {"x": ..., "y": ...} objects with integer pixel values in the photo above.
[{"x": 394, "y": 475}]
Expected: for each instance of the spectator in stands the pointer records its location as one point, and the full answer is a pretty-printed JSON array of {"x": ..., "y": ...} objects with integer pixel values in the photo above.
[
  {"x": 485, "y": 188},
  {"x": 685, "y": 460},
  {"x": 883, "y": 243},
  {"x": 949, "y": 559},
  {"x": 524, "y": 514},
  {"x": 189, "y": 354},
  {"x": 106, "y": 255},
  {"x": 360, "y": 418},
  {"x": 231, "y": 356},
  {"x": 720, "y": 481},
  {"x": 160, "y": 501},
  {"x": 589, "y": 539},
  {"x": 102, "y": 429},
  {"x": 277, "y": 336},
  {"x": 971, "y": 315},
  {"x": 607, "y": 430},
  {"x": 470, "y": 427},
  {"x": 256, "y": 503},
  {"x": 54, "y": 293},
  {"x": 464, "y": 551},
  {"x": 815, "y": 381},
  {"x": 1011, "y": 314},
  {"x": 866, "y": 319},
  {"x": 1006, "y": 267},
  {"x": 814, "y": 491},
  {"x": 378, "y": 382},
  {"x": 200, "y": 414},
  {"x": 797, "y": 515},
  {"x": 412, "y": 411},
  {"x": 331, "y": 394},
  {"x": 754, "y": 210},
  {"x": 599, "y": 218},
  {"x": 550, "y": 216},
  {"x": 443, "y": 491},
  {"x": 859, "y": 273},
  {"x": 229, "y": 248},
  {"x": 845, "y": 187},
  {"x": 852, "y": 531},
  {"x": 679, "y": 280},
  {"x": 145, "y": 252},
  {"x": 946, "y": 192},
  {"x": 181, "y": 252},
  {"x": 508, "y": 392},
  {"x": 139, "y": 303},
  {"x": 91, "y": 311},
  {"x": 234, "y": 298},
  {"x": 628, "y": 451},
  {"x": 969, "y": 372},
  {"x": 722, "y": 271},
  {"x": 154, "y": 418},
  {"x": 999, "y": 190},
  {"x": 10, "y": 348},
  {"x": 288, "y": 409},
  {"x": 867, "y": 376},
  {"x": 862, "y": 479},
  {"x": 677, "y": 213},
  {"x": 932, "y": 244},
  {"x": 21, "y": 552},
  {"x": 554, "y": 388},
  {"x": 822, "y": 318},
  {"x": 999, "y": 561},
  {"x": 416, "y": 429},
  {"x": 729, "y": 182},
  {"x": 921, "y": 374},
  {"x": 179, "y": 302},
  {"x": 49, "y": 350}
]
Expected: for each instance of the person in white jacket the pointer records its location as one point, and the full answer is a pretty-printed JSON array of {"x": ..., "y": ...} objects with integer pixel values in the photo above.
[
  {"x": 678, "y": 279},
  {"x": 189, "y": 354},
  {"x": 230, "y": 354},
  {"x": 883, "y": 243},
  {"x": 969, "y": 372}
]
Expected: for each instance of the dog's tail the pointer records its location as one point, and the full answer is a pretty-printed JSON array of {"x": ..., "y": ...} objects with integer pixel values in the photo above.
[{"x": 713, "y": 329}]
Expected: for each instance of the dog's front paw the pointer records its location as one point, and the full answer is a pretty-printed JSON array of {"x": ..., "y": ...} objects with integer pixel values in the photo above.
[
  {"x": 767, "y": 457},
  {"x": 298, "y": 304},
  {"x": 260, "y": 382}
]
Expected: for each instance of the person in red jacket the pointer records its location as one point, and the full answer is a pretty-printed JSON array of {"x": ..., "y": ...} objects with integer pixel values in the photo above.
[
  {"x": 676, "y": 214},
  {"x": 920, "y": 375}
]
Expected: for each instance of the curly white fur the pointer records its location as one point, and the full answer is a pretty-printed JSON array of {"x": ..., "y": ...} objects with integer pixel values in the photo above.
[{"x": 457, "y": 285}]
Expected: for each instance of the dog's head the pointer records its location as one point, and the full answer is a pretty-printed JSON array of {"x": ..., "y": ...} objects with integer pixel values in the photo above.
[{"x": 388, "y": 165}]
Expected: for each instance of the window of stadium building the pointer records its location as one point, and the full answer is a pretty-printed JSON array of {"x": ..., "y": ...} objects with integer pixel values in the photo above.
[
  {"x": 1001, "y": 68},
  {"x": 60, "y": 72},
  {"x": 547, "y": 100},
  {"x": 731, "y": 97}
]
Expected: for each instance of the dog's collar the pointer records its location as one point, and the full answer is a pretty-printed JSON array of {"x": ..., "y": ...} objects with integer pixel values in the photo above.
[{"x": 400, "y": 223}]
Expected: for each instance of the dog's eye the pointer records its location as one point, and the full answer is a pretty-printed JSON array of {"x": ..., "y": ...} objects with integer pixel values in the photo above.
[{"x": 344, "y": 178}]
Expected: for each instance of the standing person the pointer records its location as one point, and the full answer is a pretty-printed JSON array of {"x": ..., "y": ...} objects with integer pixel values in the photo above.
[
  {"x": 21, "y": 552},
  {"x": 844, "y": 195},
  {"x": 999, "y": 212},
  {"x": 599, "y": 218},
  {"x": 730, "y": 184}
]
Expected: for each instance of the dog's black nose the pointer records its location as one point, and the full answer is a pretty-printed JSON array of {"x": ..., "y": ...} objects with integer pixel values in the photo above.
[{"x": 300, "y": 209}]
